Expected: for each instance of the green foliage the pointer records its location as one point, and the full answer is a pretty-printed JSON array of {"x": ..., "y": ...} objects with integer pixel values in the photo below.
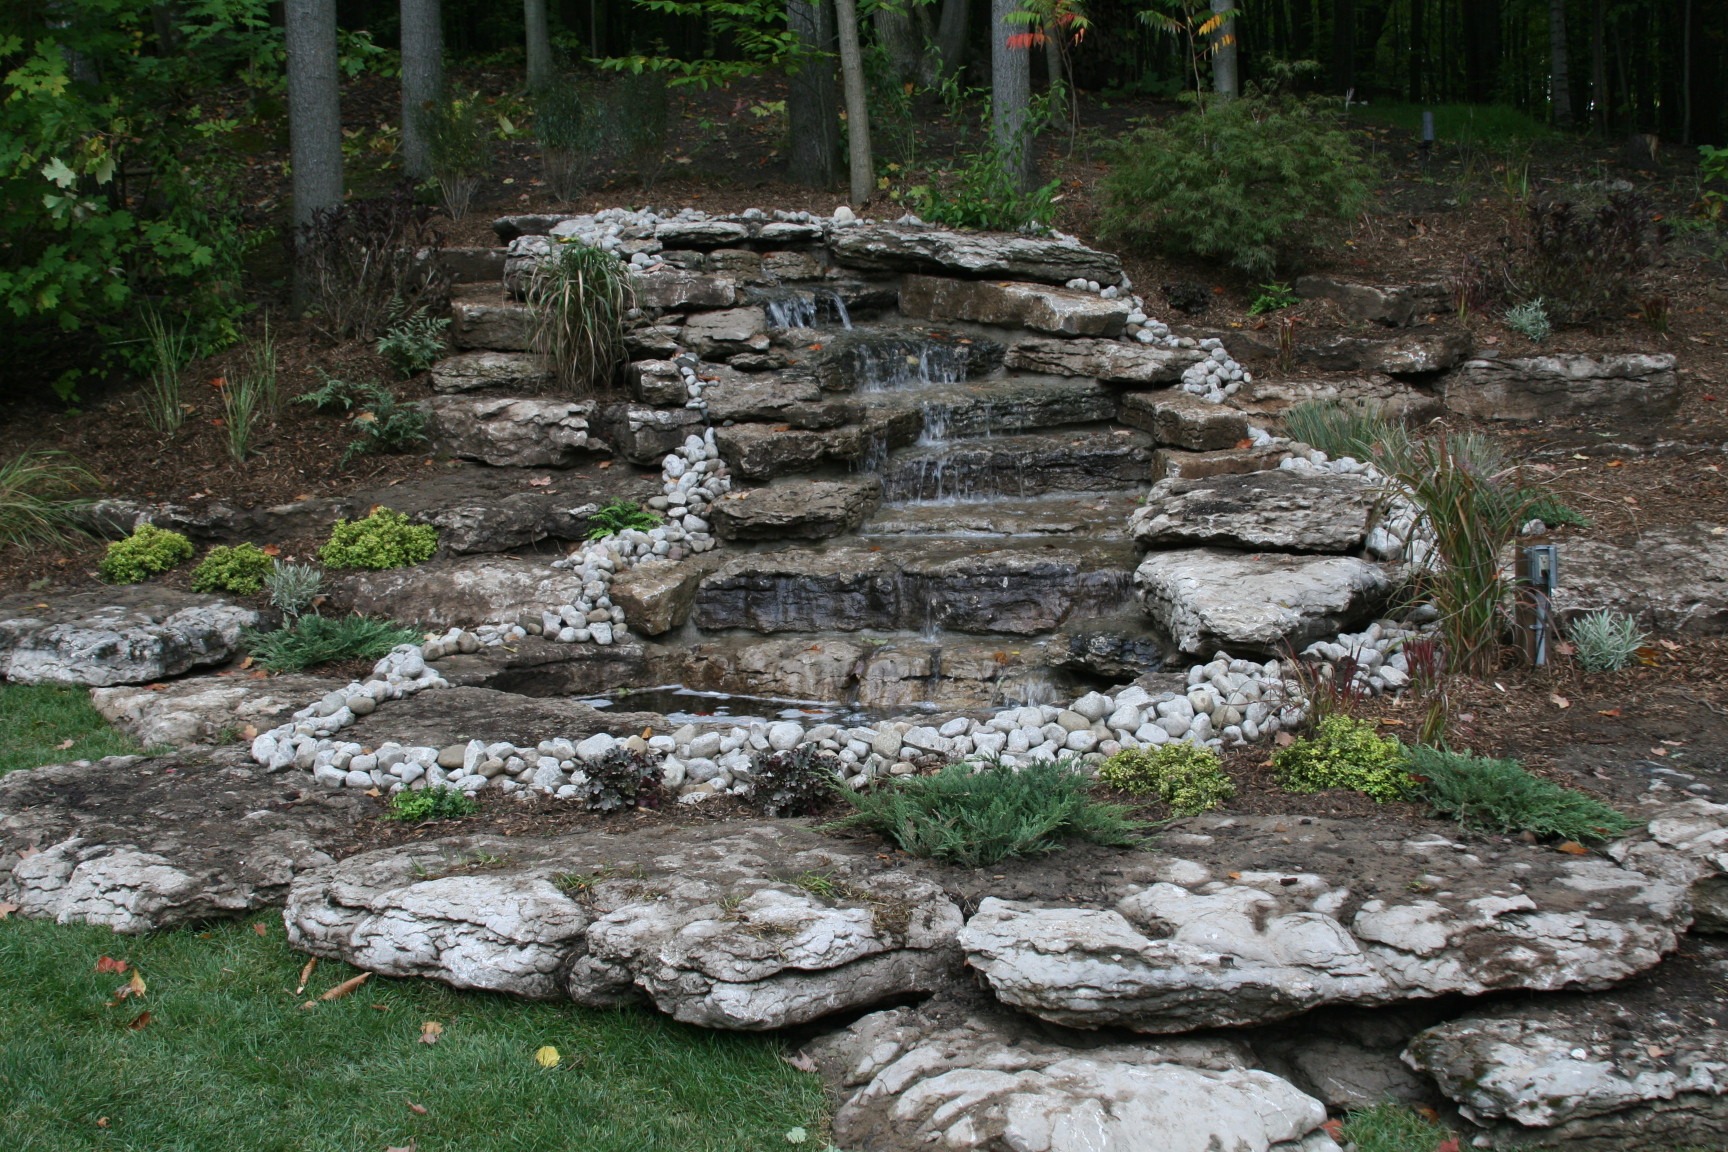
[
  {"x": 435, "y": 803},
  {"x": 1344, "y": 752},
  {"x": 1357, "y": 431},
  {"x": 1465, "y": 125},
  {"x": 755, "y": 30},
  {"x": 1554, "y": 512},
  {"x": 976, "y": 816},
  {"x": 40, "y": 499},
  {"x": 385, "y": 539},
  {"x": 981, "y": 187},
  {"x": 1391, "y": 1128},
  {"x": 1272, "y": 297},
  {"x": 569, "y": 136},
  {"x": 335, "y": 395},
  {"x": 798, "y": 782},
  {"x": 620, "y": 516},
  {"x": 242, "y": 401},
  {"x": 243, "y": 568},
  {"x": 1713, "y": 170},
  {"x": 579, "y": 296},
  {"x": 293, "y": 587},
  {"x": 171, "y": 352},
  {"x": 1189, "y": 779},
  {"x": 1530, "y": 320},
  {"x": 459, "y": 148},
  {"x": 52, "y": 724},
  {"x": 414, "y": 341},
  {"x": 1604, "y": 641},
  {"x": 1255, "y": 182},
  {"x": 1500, "y": 796},
  {"x": 622, "y": 780},
  {"x": 1585, "y": 254},
  {"x": 147, "y": 551},
  {"x": 314, "y": 640},
  {"x": 385, "y": 425}
]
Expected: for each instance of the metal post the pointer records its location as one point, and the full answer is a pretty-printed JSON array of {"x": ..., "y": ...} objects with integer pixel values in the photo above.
[{"x": 1537, "y": 582}]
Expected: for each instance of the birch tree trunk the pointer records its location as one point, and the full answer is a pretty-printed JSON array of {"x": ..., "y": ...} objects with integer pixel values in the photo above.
[
  {"x": 422, "y": 79},
  {"x": 813, "y": 109},
  {"x": 857, "y": 107},
  {"x": 1224, "y": 79},
  {"x": 314, "y": 107},
  {"x": 538, "y": 42},
  {"x": 1010, "y": 92}
]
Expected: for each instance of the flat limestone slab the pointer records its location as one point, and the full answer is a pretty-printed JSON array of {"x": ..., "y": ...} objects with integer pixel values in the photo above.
[
  {"x": 1634, "y": 388},
  {"x": 1179, "y": 419},
  {"x": 123, "y": 635},
  {"x": 1062, "y": 311},
  {"x": 206, "y": 709},
  {"x": 796, "y": 509},
  {"x": 1277, "y": 511},
  {"x": 1208, "y": 598},
  {"x": 910, "y": 248},
  {"x": 710, "y": 926}
]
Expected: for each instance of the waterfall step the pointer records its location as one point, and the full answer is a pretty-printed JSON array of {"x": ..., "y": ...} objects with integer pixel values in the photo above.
[
  {"x": 1100, "y": 515},
  {"x": 1029, "y": 464},
  {"x": 999, "y": 404}
]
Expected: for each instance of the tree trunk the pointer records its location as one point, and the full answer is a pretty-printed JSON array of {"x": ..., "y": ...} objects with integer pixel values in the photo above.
[
  {"x": 1010, "y": 93},
  {"x": 857, "y": 106},
  {"x": 1344, "y": 45},
  {"x": 1418, "y": 50},
  {"x": 538, "y": 37},
  {"x": 812, "y": 111},
  {"x": 951, "y": 35},
  {"x": 314, "y": 107},
  {"x": 1559, "y": 87},
  {"x": 422, "y": 80},
  {"x": 1686, "y": 75},
  {"x": 1601, "y": 101},
  {"x": 898, "y": 32},
  {"x": 1224, "y": 81}
]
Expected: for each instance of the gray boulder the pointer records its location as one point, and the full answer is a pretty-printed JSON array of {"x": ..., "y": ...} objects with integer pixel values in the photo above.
[
  {"x": 1063, "y": 311},
  {"x": 1633, "y": 389},
  {"x": 124, "y": 635},
  {"x": 206, "y": 709},
  {"x": 1109, "y": 360},
  {"x": 706, "y": 927},
  {"x": 1671, "y": 578},
  {"x": 908, "y": 248},
  {"x": 1206, "y": 598},
  {"x": 1394, "y": 306},
  {"x": 507, "y": 431},
  {"x": 466, "y": 591},
  {"x": 796, "y": 509},
  {"x": 502, "y": 371},
  {"x": 484, "y": 319},
  {"x": 1181, "y": 419},
  {"x": 719, "y": 335},
  {"x": 1278, "y": 511}
]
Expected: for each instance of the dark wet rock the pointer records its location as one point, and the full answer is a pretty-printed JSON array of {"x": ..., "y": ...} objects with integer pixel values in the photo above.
[
  {"x": 1634, "y": 389},
  {"x": 866, "y": 360},
  {"x": 709, "y": 926},
  {"x": 1208, "y": 598},
  {"x": 1117, "y": 655},
  {"x": 796, "y": 509},
  {"x": 1350, "y": 1058},
  {"x": 122, "y": 635},
  {"x": 1181, "y": 419},
  {"x": 1019, "y": 465},
  {"x": 907, "y": 248},
  {"x": 138, "y": 844},
  {"x": 1277, "y": 511}
]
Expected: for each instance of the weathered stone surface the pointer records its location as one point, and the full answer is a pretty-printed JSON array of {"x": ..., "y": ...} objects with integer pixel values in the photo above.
[
  {"x": 796, "y": 509},
  {"x": 711, "y": 929},
  {"x": 1064, "y": 311},
  {"x": 1019, "y": 465},
  {"x": 138, "y": 844},
  {"x": 997, "y": 405},
  {"x": 483, "y": 509},
  {"x": 1207, "y": 598},
  {"x": 759, "y": 451},
  {"x": 656, "y": 595},
  {"x": 1180, "y": 463},
  {"x": 657, "y": 382},
  {"x": 710, "y": 233},
  {"x": 539, "y": 668},
  {"x": 1018, "y": 591},
  {"x": 1249, "y": 947},
  {"x": 1183, "y": 420},
  {"x": 794, "y": 401},
  {"x": 205, "y": 709},
  {"x": 504, "y": 371},
  {"x": 644, "y": 435},
  {"x": 457, "y": 715},
  {"x": 867, "y": 360},
  {"x": 656, "y": 341},
  {"x": 1634, "y": 389},
  {"x": 1422, "y": 355},
  {"x": 906, "y": 248},
  {"x": 472, "y": 265},
  {"x": 508, "y": 228},
  {"x": 1108, "y": 360},
  {"x": 1393, "y": 306},
  {"x": 511, "y": 431},
  {"x": 122, "y": 635},
  {"x": 1277, "y": 511},
  {"x": 1116, "y": 655},
  {"x": 677, "y": 290},
  {"x": 1642, "y": 1066},
  {"x": 484, "y": 319},
  {"x": 907, "y": 1083},
  {"x": 1674, "y": 579},
  {"x": 717, "y": 335},
  {"x": 1391, "y": 398},
  {"x": 466, "y": 591},
  {"x": 1349, "y": 1058}
]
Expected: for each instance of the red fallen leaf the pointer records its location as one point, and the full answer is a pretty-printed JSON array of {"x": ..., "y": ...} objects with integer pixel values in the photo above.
[
  {"x": 260, "y": 930},
  {"x": 260, "y": 674},
  {"x": 1611, "y": 713},
  {"x": 1707, "y": 396},
  {"x": 1426, "y": 1112},
  {"x": 1447, "y": 1145},
  {"x": 814, "y": 348},
  {"x": 271, "y": 550},
  {"x": 1244, "y": 443},
  {"x": 1616, "y": 464},
  {"x": 139, "y": 1021},
  {"x": 106, "y": 964},
  {"x": 1334, "y": 1128},
  {"x": 219, "y": 382},
  {"x": 1572, "y": 848}
]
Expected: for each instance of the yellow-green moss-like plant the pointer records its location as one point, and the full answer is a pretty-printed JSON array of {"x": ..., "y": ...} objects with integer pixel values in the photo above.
[
  {"x": 242, "y": 569},
  {"x": 1344, "y": 752},
  {"x": 1188, "y": 778},
  {"x": 385, "y": 539},
  {"x": 143, "y": 554}
]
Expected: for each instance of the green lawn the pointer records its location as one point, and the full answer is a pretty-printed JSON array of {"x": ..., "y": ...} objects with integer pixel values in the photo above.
[
  {"x": 37, "y": 720},
  {"x": 228, "y": 1060}
]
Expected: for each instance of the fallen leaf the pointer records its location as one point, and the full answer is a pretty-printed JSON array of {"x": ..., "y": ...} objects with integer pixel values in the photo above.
[
  {"x": 1283, "y": 739},
  {"x": 430, "y": 1032},
  {"x": 271, "y": 550},
  {"x": 260, "y": 674},
  {"x": 546, "y": 1057},
  {"x": 65, "y": 744},
  {"x": 306, "y": 974},
  {"x": 136, "y": 985},
  {"x": 796, "y": 1136},
  {"x": 1670, "y": 645},
  {"x": 1572, "y": 848},
  {"x": 1611, "y": 713},
  {"x": 1616, "y": 464},
  {"x": 346, "y": 986},
  {"x": 1333, "y": 1128},
  {"x": 372, "y": 792},
  {"x": 6, "y": 909},
  {"x": 1655, "y": 1052},
  {"x": 1558, "y": 700},
  {"x": 101, "y": 1121},
  {"x": 1235, "y": 875},
  {"x": 250, "y": 732},
  {"x": 540, "y": 482},
  {"x": 1658, "y": 751},
  {"x": 139, "y": 1021},
  {"x": 417, "y": 1109},
  {"x": 260, "y": 930},
  {"x": 1426, "y": 1112},
  {"x": 801, "y": 1061},
  {"x": 109, "y": 964},
  {"x": 1447, "y": 1145},
  {"x": 408, "y": 1148}
]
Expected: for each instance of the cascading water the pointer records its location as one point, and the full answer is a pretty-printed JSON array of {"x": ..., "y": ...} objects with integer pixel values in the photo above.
[
  {"x": 806, "y": 310},
  {"x": 906, "y": 363}
]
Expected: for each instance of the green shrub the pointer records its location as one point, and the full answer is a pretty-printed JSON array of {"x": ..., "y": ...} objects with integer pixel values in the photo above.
[
  {"x": 459, "y": 148},
  {"x": 1344, "y": 752},
  {"x": 798, "y": 782},
  {"x": 975, "y": 816},
  {"x": 619, "y": 516},
  {"x": 293, "y": 587},
  {"x": 1189, "y": 779},
  {"x": 1256, "y": 182},
  {"x": 413, "y": 342},
  {"x": 314, "y": 640},
  {"x": 147, "y": 551},
  {"x": 385, "y": 539},
  {"x": 40, "y": 499},
  {"x": 243, "y": 568},
  {"x": 435, "y": 803},
  {"x": 1500, "y": 796},
  {"x": 1530, "y": 320},
  {"x": 385, "y": 426},
  {"x": 1605, "y": 641},
  {"x": 1272, "y": 297}
]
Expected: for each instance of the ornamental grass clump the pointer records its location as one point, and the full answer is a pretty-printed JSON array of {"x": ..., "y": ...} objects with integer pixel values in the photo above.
[
  {"x": 314, "y": 640},
  {"x": 976, "y": 815},
  {"x": 1488, "y": 795},
  {"x": 1188, "y": 778},
  {"x": 148, "y": 551},
  {"x": 1343, "y": 752},
  {"x": 242, "y": 569},
  {"x": 579, "y": 295},
  {"x": 385, "y": 539},
  {"x": 40, "y": 498}
]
